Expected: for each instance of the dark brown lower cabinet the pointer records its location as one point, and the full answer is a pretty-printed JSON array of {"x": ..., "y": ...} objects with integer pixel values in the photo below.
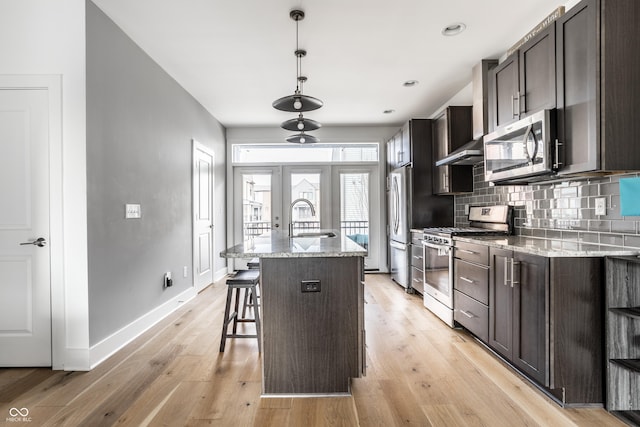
[
  {"x": 313, "y": 341},
  {"x": 517, "y": 326},
  {"x": 545, "y": 318}
]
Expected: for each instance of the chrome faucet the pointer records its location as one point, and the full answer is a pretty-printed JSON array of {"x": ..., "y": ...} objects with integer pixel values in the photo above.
[{"x": 313, "y": 212}]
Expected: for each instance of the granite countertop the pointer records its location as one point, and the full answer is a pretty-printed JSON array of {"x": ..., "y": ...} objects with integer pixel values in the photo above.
[
  {"x": 278, "y": 244},
  {"x": 550, "y": 247}
]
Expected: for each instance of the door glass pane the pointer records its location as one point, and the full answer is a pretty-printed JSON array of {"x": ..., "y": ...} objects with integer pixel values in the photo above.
[
  {"x": 256, "y": 205},
  {"x": 354, "y": 207},
  {"x": 305, "y": 186}
]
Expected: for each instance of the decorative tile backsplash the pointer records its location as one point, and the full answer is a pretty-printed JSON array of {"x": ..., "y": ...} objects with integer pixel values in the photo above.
[{"x": 562, "y": 209}]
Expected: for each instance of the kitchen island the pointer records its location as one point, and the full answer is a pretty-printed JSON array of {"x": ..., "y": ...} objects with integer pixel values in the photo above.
[{"x": 312, "y": 311}]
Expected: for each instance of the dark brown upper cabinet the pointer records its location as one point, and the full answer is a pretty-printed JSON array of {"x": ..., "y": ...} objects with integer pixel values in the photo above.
[
  {"x": 451, "y": 130},
  {"x": 399, "y": 148},
  {"x": 525, "y": 81},
  {"x": 598, "y": 58}
]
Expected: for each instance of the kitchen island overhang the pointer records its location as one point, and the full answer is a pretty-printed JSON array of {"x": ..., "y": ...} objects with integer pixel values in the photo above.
[{"x": 312, "y": 310}]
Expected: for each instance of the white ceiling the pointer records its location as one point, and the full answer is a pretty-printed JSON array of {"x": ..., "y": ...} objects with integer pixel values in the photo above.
[{"x": 236, "y": 56}]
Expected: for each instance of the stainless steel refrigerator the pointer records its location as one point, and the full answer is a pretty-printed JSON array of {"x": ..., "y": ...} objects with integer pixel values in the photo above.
[
  {"x": 399, "y": 235},
  {"x": 411, "y": 202}
]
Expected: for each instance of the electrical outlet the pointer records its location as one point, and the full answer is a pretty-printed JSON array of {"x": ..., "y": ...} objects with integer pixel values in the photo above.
[
  {"x": 185, "y": 271},
  {"x": 168, "y": 282},
  {"x": 132, "y": 211},
  {"x": 601, "y": 206},
  {"x": 310, "y": 285},
  {"x": 466, "y": 209}
]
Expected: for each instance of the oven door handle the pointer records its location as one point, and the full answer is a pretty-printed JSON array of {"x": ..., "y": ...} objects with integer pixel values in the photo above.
[{"x": 432, "y": 246}]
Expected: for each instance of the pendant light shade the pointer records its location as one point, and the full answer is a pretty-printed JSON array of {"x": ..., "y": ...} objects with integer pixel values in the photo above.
[
  {"x": 302, "y": 138},
  {"x": 297, "y": 103},
  {"x": 301, "y": 124}
]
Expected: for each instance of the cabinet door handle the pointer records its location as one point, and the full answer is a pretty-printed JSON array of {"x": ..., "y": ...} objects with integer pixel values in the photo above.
[
  {"x": 469, "y": 315},
  {"x": 417, "y": 257},
  {"x": 466, "y": 279},
  {"x": 513, "y": 277},
  {"x": 515, "y": 111},
  {"x": 557, "y": 163},
  {"x": 417, "y": 280},
  {"x": 506, "y": 269},
  {"x": 522, "y": 104}
]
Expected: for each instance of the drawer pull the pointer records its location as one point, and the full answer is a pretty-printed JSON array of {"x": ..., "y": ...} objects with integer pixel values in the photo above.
[
  {"x": 469, "y": 315},
  {"x": 465, "y": 279},
  {"x": 467, "y": 251},
  {"x": 417, "y": 280},
  {"x": 417, "y": 257}
]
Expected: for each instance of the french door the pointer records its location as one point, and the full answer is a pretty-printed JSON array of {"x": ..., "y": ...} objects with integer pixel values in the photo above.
[
  {"x": 344, "y": 198},
  {"x": 356, "y": 207}
]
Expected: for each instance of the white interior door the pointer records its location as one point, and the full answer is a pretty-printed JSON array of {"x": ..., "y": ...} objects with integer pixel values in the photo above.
[
  {"x": 202, "y": 216},
  {"x": 25, "y": 280}
]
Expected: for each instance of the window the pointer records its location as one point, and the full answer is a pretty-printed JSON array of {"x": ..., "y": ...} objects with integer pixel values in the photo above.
[{"x": 314, "y": 153}]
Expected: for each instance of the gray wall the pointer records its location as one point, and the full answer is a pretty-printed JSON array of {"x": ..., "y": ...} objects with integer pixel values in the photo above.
[
  {"x": 559, "y": 210},
  {"x": 140, "y": 125}
]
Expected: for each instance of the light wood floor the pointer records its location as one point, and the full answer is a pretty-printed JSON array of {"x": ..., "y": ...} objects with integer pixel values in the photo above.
[{"x": 420, "y": 372}]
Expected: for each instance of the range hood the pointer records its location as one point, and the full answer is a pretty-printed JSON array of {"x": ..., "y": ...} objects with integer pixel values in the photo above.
[
  {"x": 469, "y": 154},
  {"x": 473, "y": 151}
]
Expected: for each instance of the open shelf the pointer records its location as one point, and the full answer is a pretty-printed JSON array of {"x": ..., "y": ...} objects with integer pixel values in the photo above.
[
  {"x": 631, "y": 364},
  {"x": 629, "y": 312},
  {"x": 622, "y": 344}
]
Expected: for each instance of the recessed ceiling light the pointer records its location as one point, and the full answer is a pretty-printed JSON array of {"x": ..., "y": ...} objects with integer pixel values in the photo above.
[
  {"x": 389, "y": 111},
  {"x": 453, "y": 29},
  {"x": 410, "y": 83}
]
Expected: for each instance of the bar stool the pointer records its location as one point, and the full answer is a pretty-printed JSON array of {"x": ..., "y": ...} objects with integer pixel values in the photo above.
[
  {"x": 247, "y": 280},
  {"x": 251, "y": 299}
]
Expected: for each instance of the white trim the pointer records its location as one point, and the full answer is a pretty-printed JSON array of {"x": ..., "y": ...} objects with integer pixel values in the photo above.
[
  {"x": 116, "y": 341},
  {"x": 217, "y": 275},
  {"x": 53, "y": 85}
]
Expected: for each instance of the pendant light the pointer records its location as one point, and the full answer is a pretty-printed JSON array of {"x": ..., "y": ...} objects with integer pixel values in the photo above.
[
  {"x": 302, "y": 138},
  {"x": 298, "y": 102},
  {"x": 301, "y": 124}
]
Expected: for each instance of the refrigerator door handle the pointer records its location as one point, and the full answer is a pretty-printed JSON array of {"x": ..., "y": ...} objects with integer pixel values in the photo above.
[
  {"x": 396, "y": 201},
  {"x": 398, "y": 245}
]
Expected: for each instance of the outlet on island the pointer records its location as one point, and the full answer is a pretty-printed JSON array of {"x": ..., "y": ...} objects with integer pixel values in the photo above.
[
  {"x": 168, "y": 282},
  {"x": 310, "y": 285}
]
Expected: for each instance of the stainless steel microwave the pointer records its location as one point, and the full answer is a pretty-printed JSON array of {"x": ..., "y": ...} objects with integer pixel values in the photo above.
[{"x": 521, "y": 151}]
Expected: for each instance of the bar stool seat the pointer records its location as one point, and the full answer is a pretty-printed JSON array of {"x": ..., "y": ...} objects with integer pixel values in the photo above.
[
  {"x": 253, "y": 264},
  {"x": 247, "y": 280}
]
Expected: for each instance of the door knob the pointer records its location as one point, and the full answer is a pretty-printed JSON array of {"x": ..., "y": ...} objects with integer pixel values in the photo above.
[{"x": 40, "y": 242}]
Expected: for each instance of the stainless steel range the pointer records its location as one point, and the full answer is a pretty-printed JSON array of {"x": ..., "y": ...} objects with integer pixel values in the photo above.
[{"x": 438, "y": 254}]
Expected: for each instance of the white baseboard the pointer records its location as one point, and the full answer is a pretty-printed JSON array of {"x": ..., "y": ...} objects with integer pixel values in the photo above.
[
  {"x": 105, "y": 348},
  {"x": 75, "y": 359},
  {"x": 220, "y": 274}
]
